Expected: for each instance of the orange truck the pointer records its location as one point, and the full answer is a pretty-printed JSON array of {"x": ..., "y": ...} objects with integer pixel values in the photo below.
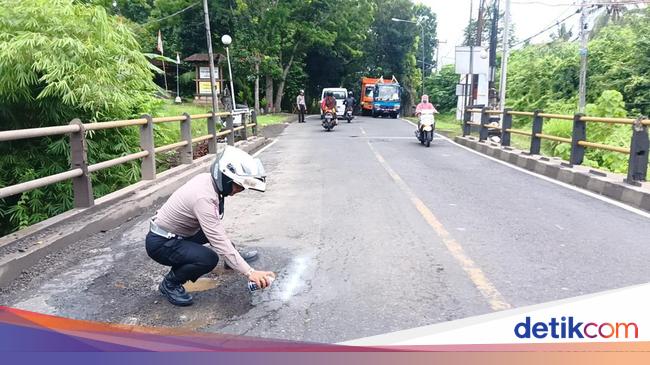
[
  {"x": 380, "y": 97},
  {"x": 366, "y": 99}
]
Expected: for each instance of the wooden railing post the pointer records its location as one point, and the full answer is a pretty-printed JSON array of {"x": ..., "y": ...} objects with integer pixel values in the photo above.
[
  {"x": 82, "y": 185},
  {"x": 148, "y": 170},
  {"x": 467, "y": 117},
  {"x": 212, "y": 129},
  {"x": 229, "y": 125},
  {"x": 244, "y": 121},
  {"x": 485, "y": 119},
  {"x": 535, "y": 141},
  {"x": 638, "y": 164},
  {"x": 579, "y": 134},
  {"x": 506, "y": 123},
  {"x": 254, "y": 118},
  {"x": 186, "y": 135}
]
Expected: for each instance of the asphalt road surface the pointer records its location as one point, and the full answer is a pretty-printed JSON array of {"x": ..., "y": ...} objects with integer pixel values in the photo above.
[{"x": 369, "y": 232}]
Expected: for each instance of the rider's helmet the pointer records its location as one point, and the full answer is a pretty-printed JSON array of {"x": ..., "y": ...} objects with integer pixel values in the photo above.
[
  {"x": 302, "y": 91},
  {"x": 350, "y": 93},
  {"x": 329, "y": 93},
  {"x": 233, "y": 165}
]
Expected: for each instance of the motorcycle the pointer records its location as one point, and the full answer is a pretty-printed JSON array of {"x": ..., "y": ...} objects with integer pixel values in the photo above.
[
  {"x": 348, "y": 114},
  {"x": 329, "y": 120},
  {"x": 426, "y": 128}
]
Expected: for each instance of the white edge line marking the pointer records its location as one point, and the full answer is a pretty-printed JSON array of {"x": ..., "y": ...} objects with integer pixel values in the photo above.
[
  {"x": 546, "y": 178},
  {"x": 265, "y": 148}
]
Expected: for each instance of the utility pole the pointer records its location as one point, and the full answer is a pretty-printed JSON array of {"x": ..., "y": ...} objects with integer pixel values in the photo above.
[
  {"x": 583, "y": 58},
  {"x": 504, "y": 58},
  {"x": 479, "y": 23},
  {"x": 213, "y": 86},
  {"x": 423, "y": 57},
  {"x": 493, "y": 54},
  {"x": 470, "y": 76}
]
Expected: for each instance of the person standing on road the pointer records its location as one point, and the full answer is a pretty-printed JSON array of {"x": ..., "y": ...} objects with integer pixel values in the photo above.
[
  {"x": 302, "y": 107},
  {"x": 191, "y": 218}
]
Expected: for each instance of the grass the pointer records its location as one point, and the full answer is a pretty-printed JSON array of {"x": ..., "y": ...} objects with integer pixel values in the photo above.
[
  {"x": 268, "y": 119},
  {"x": 170, "y": 109},
  {"x": 166, "y": 133}
]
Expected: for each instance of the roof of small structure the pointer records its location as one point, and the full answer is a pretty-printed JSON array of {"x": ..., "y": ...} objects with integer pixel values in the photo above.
[{"x": 203, "y": 57}]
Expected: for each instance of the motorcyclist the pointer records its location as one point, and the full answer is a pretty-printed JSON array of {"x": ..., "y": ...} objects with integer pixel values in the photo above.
[
  {"x": 329, "y": 105},
  {"x": 349, "y": 102},
  {"x": 424, "y": 105},
  {"x": 191, "y": 218}
]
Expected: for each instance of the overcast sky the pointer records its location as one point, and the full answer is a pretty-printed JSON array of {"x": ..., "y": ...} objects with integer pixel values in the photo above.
[{"x": 528, "y": 17}]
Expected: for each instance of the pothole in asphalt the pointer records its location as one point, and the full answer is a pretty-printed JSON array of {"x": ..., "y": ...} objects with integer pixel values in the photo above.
[{"x": 202, "y": 284}]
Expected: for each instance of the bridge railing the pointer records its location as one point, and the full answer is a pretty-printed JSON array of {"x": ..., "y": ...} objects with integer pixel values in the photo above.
[
  {"x": 638, "y": 150},
  {"x": 80, "y": 170}
]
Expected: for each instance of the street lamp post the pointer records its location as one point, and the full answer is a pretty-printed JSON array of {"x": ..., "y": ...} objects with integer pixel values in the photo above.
[
  {"x": 227, "y": 40},
  {"x": 178, "y": 90},
  {"x": 420, "y": 23}
]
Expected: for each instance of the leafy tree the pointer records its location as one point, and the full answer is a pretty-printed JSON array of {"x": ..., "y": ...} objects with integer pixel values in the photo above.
[
  {"x": 541, "y": 74},
  {"x": 441, "y": 88},
  {"x": 563, "y": 34},
  {"x": 470, "y": 32},
  {"x": 87, "y": 64},
  {"x": 61, "y": 60},
  {"x": 428, "y": 20}
]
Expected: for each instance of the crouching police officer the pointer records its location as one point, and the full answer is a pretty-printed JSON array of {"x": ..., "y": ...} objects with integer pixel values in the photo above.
[{"x": 191, "y": 218}]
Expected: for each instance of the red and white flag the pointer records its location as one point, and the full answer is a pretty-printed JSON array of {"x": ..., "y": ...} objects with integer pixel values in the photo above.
[{"x": 159, "y": 46}]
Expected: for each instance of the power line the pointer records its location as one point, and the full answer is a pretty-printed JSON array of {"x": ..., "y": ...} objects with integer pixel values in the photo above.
[
  {"x": 171, "y": 15},
  {"x": 557, "y": 23},
  {"x": 625, "y": 2}
]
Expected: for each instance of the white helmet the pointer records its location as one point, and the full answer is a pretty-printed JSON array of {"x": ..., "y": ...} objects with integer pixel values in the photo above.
[{"x": 235, "y": 165}]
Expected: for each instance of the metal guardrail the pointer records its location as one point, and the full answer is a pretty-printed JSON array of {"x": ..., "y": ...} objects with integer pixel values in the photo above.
[
  {"x": 638, "y": 150},
  {"x": 80, "y": 170}
]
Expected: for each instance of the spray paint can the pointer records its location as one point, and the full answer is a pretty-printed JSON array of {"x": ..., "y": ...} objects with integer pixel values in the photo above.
[{"x": 252, "y": 286}]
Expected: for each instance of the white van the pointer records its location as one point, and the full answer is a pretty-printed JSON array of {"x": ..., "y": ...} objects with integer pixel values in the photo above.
[{"x": 339, "y": 94}]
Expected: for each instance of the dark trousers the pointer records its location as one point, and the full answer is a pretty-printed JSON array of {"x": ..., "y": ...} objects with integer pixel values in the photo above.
[
  {"x": 301, "y": 114},
  {"x": 189, "y": 258}
]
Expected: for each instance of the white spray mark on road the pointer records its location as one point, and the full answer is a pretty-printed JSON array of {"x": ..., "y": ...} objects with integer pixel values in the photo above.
[
  {"x": 293, "y": 280},
  {"x": 559, "y": 227}
]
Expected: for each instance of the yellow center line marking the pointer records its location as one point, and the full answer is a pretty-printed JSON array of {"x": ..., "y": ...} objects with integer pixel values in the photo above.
[{"x": 476, "y": 275}]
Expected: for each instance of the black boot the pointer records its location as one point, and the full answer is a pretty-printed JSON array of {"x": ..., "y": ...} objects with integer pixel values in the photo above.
[{"x": 173, "y": 289}]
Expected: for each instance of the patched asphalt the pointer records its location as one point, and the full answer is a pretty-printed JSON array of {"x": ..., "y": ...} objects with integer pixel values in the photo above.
[{"x": 353, "y": 254}]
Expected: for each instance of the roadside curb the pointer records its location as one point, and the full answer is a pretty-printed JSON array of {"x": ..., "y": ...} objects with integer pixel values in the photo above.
[
  {"x": 600, "y": 182},
  {"x": 25, "y": 247}
]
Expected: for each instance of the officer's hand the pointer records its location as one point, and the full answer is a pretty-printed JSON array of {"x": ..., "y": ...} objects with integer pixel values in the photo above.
[{"x": 259, "y": 278}]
